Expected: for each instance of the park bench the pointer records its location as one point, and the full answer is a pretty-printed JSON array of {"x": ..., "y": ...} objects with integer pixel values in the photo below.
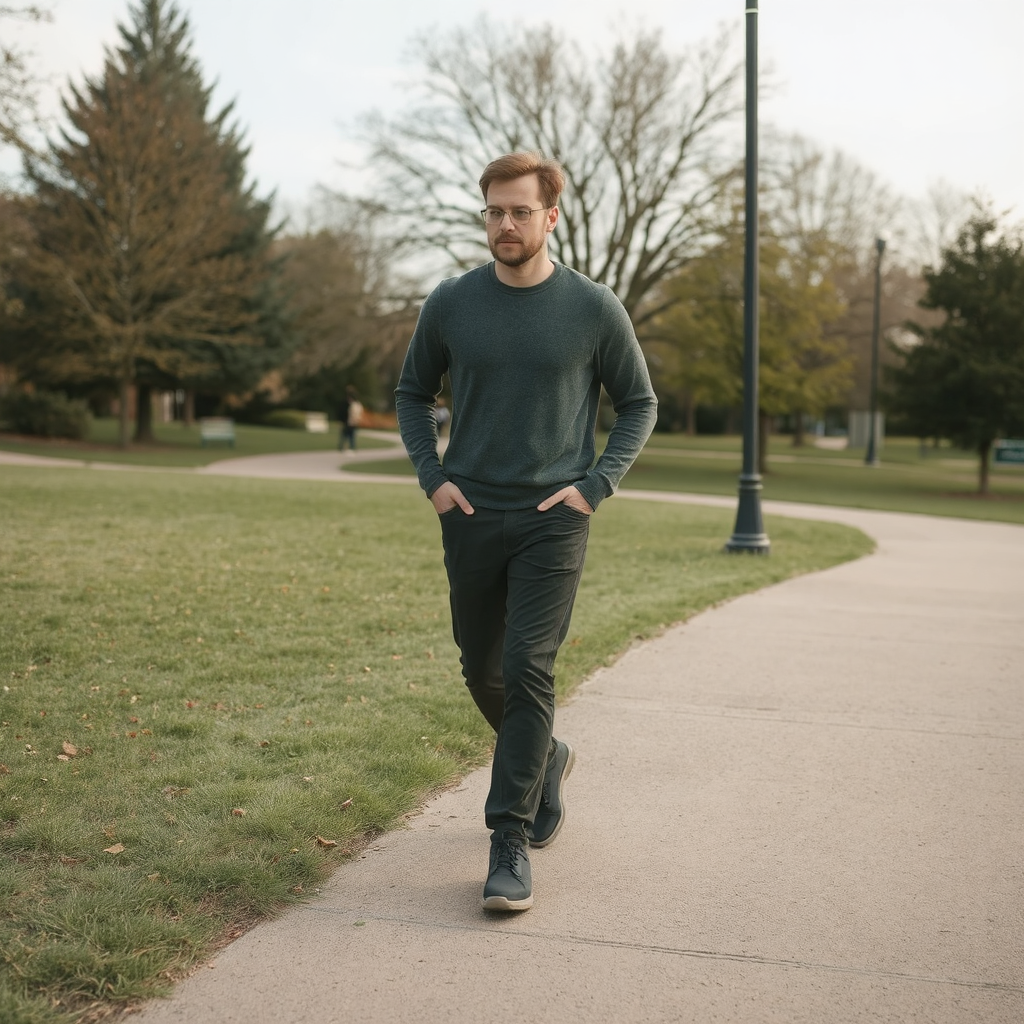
[{"x": 217, "y": 428}]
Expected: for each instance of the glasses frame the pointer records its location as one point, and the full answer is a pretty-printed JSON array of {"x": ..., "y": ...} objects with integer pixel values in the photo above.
[{"x": 510, "y": 214}]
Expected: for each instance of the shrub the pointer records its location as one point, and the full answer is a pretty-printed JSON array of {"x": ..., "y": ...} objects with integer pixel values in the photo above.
[
  {"x": 45, "y": 414},
  {"x": 291, "y": 419}
]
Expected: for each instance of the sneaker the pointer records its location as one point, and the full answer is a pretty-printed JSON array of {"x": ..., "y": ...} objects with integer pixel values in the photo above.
[
  {"x": 551, "y": 813},
  {"x": 509, "y": 883}
]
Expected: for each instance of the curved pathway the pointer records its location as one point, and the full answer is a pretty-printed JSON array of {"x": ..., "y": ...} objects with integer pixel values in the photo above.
[{"x": 803, "y": 805}]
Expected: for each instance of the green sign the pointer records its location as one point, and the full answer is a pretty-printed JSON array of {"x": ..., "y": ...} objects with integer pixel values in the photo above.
[{"x": 1010, "y": 451}]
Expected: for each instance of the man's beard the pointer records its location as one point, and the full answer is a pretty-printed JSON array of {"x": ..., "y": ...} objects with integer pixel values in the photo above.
[{"x": 518, "y": 257}]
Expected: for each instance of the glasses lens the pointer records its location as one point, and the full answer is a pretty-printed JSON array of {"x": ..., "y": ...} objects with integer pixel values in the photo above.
[{"x": 494, "y": 215}]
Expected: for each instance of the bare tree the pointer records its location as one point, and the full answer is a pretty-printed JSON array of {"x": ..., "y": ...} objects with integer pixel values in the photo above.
[
  {"x": 827, "y": 210},
  {"x": 938, "y": 220},
  {"x": 645, "y": 136},
  {"x": 824, "y": 206}
]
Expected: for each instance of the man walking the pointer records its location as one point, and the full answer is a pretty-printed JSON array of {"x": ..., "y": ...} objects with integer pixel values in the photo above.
[{"x": 528, "y": 345}]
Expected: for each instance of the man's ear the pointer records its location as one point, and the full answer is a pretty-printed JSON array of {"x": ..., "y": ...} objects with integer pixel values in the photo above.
[{"x": 552, "y": 219}]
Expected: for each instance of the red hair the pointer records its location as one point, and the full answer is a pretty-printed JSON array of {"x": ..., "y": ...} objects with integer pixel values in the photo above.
[{"x": 518, "y": 165}]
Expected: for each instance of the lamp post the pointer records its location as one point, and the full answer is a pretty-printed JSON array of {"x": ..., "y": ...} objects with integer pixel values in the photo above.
[
  {"x": 871, "y": 458},
  {"x": 748, "y": 534}
]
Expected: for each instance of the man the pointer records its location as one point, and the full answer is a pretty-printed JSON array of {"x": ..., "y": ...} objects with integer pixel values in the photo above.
[{"x": 527, "y": 345}]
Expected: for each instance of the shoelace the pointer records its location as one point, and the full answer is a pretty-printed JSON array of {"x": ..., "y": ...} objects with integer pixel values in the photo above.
[{"x": 508, "y": 851}]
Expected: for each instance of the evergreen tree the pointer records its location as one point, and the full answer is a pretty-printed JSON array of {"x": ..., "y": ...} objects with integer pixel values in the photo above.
[
  {"x": 964, "y": 379},
  {"x": 151, "y": 261}
]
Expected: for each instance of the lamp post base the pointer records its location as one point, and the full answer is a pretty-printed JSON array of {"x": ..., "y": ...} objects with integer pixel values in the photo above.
[{"x": 748, "y": 535}]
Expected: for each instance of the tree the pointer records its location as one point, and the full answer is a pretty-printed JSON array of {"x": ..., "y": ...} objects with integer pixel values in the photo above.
[
  {"x": 349, "y": 314},
  {"x": 150, "y": 260},
  {"x": 158, "y": 41},
  {"x": 964, "y": 379},
  {"x": 804, "y": 365},
  {"x": 643, "y": 135}
]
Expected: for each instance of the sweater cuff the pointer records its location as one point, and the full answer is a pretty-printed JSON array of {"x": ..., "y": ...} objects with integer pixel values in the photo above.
[{"x": 590, "y": 490}]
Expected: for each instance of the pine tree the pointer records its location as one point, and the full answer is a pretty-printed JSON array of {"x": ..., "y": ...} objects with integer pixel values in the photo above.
[
  {"x": 964, "y": 379},
  {"x": 151, "y": 264}
]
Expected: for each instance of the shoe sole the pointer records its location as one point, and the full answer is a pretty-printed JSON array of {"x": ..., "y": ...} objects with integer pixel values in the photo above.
[
  {"x": 569, "y": 762},
  {"x": 503, "y": 903}
]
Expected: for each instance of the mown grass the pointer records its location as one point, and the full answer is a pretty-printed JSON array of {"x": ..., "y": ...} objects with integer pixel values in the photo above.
[
  {"x": 178, "y": 445},
  {"x": 215, "y": 690},
  {"x": 940, "y": 481}
]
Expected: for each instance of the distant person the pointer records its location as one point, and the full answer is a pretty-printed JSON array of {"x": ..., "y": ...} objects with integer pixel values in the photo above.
[
  {"x": 350, "y": 414},
  {"x": 442, "y": 415},
  {"x": 528, "y": 345}
]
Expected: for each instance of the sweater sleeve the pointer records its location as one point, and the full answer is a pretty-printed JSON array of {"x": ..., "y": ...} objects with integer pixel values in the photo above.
[
  {"x": 417, "y": 391},
  {"x": 624, "y": 376}
]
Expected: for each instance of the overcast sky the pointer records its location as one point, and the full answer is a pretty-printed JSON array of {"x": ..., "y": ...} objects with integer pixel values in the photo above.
[{"x": 916, "y": 90}]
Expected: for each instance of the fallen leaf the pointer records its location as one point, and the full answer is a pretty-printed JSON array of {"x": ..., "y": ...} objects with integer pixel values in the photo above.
[
  {"x": 116, "y": 848},
  {"x": 239, "y": 812},
  {"x": 63, "y": 757},
  {"x": 346, "y": 804},
  {"x": 69, "y": 748},
  {"x": 320, "y": 841},
  {"x": 4, "y": 770}
]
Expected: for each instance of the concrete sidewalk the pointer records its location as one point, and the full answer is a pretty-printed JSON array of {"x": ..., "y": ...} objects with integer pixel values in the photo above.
[{"x": 804, "y": 805}]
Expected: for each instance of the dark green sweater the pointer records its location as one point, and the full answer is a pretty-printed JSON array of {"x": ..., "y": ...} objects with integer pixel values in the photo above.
[{"x": 526, "y": 368}]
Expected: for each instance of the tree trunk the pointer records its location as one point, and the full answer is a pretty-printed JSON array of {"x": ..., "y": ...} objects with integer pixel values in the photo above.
[
  {"x": 691, "y": 416},
  {"x": 762, "y": 443},
  {"x": 190, "y": 408},
  {"x": 123, "y": 432},
  {"x": 984, "y": 449},
  {"x": 144, "y": 414},
  {"x": 798, "y": 430}
]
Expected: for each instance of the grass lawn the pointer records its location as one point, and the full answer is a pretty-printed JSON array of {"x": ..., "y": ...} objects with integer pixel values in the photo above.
[
  {"x": 942, "y": 482},
  {"x": 214, "y": 690},
  {"x": 178, "y": 445}
]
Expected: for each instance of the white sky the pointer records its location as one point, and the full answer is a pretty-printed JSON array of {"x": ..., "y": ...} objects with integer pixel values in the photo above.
[{"x": 916, "y": 90}]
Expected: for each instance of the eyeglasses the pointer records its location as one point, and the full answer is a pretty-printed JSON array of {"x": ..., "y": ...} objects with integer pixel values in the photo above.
[{"x": 494, "y": 215}]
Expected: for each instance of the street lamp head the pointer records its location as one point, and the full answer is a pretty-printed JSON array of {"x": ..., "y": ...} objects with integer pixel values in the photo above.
[{"x": 880, "y": 244}]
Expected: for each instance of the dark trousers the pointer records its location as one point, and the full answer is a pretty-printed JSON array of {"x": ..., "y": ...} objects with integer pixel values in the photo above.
[{"x": 513, "y": 577}]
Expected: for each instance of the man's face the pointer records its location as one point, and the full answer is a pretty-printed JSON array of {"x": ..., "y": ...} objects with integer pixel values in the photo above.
[{"x": 515, "y": 244}]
